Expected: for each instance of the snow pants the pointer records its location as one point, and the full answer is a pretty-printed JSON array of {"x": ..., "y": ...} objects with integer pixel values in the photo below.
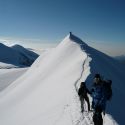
[{"x": 86, "y": 98}]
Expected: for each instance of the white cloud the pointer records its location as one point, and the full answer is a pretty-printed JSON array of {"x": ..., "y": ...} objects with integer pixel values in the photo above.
[
  {"x": 29, "y": 43},
  {"x": 9, "y": 41}
]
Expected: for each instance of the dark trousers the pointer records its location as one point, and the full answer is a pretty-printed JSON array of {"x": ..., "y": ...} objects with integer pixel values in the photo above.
[
  {"x": 97, "y": 119},
  {"x": 97, "y": 116},
  {"x": 82, "y": 98}
]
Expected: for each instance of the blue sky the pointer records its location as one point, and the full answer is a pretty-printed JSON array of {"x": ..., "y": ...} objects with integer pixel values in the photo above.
[{"x": 34, "y": 23}]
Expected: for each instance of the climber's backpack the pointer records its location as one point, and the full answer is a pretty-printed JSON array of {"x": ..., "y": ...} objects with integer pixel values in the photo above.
[{"x": 108, "y": 89}]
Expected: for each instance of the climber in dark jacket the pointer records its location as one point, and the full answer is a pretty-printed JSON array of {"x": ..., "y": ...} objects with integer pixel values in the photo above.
[
  {"x": 82, "y": 92},
  {"x": 98, "y": 94}
]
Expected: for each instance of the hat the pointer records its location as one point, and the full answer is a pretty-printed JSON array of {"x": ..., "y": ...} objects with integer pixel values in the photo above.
[
  {"x": 97, "y": 75},
  {"x": 83, "y": 83}
]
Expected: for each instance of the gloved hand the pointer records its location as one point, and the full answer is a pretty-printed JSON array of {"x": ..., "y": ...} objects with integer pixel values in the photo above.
[{"x": 103, "y": 112}]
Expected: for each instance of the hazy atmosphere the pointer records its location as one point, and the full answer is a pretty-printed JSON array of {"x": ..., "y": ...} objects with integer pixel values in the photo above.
[{"x": 44, "y": 23}]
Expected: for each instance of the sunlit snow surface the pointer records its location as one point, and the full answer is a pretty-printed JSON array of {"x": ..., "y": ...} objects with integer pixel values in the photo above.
[
  {"x": 9, "y": 74},
  {"x": 47, "y": 93}
]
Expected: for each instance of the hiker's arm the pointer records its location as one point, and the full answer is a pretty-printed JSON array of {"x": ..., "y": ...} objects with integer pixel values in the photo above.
[
  {"x": 79, "y": 92},
  {"x": 89, "y": 92},
  {"x": 92, "y": 90}
]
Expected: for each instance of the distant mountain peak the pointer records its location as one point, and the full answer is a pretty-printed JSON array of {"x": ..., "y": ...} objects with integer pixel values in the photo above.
[
  {"x": 17, "y": 46},
  {"x": 17, "y": 55},
  {"x": 2, "y": 45}
]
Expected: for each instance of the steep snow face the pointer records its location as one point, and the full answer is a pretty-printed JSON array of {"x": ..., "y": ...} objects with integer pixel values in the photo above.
[
  {"x": 47, "y": 93},
  {"x": 44, "y": 92}
]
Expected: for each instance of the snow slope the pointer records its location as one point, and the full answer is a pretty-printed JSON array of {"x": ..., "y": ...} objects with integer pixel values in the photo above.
[
  {"x": 7, "y": 76},
  {"x": 47, "y": 93},
  {"x": 7, "y": 66}
]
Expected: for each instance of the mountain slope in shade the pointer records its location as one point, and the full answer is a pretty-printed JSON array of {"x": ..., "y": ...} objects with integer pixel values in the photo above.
[
  {"x": 30, "y": 54},
  {"x": 120, "y": 58},
  {"x": 47, "y": 93},
  {"x": 109, "y": 68},
  {"x": 17, "y": 56}
]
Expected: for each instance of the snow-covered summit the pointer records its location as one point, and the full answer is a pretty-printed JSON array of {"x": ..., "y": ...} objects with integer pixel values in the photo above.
[
  {"x": 73, "y": 38},
  {"x": 76, "y": 39},
  {"x": 47, "y": 92}
]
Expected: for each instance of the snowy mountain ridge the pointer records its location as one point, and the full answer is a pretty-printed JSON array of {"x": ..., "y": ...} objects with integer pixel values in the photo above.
[
  {"x": 16, "y": 55},
  {"x": 47, "y": 92},
  {"x": 30, "y": 54}
]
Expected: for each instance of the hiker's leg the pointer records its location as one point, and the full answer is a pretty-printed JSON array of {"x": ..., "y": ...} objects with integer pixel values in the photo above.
[
  {"x": 100, "y": 120},
  {"x": 87, "y": 100},
  {"x": 100, "y": 110},
  {"x": 104, "y": 107},
  {"x": 95, "y": 118},
  {"x": 82, "y": 100},
  {"x": 92, "y": 106}
]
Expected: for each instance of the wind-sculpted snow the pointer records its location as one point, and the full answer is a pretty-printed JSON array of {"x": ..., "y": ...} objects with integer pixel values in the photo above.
[{"x": 47, "y": 93}]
